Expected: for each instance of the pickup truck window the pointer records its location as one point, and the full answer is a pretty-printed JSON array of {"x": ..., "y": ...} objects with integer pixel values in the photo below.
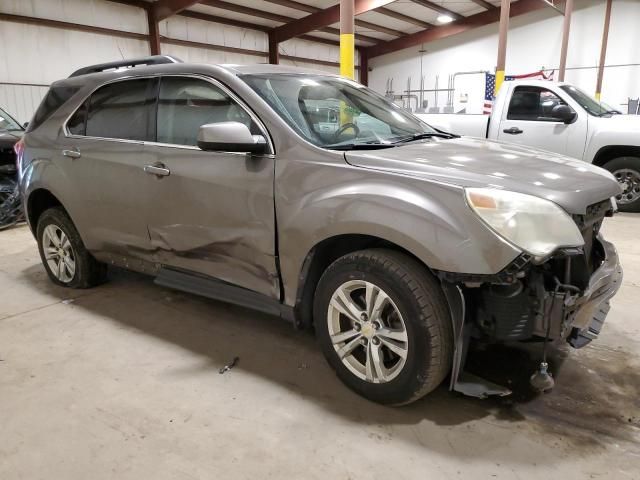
[
  {"x": 533, "y": 104},
  {"x": 331, "y": 112},
  {"x": 586, "y": 101}
]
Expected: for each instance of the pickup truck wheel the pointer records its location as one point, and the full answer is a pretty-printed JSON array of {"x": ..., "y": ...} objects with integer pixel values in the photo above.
[
  {"x": 383, "y": 324},
  {"x": 627, "y": 172},
  {"x": 64, "y": 256}
]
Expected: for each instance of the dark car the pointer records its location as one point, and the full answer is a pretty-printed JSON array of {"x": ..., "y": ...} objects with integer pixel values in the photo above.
[{"x": 10, "y": 206}]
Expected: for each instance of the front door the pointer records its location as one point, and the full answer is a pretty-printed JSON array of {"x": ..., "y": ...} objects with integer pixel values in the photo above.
[
  {"x": 213, "y": 212},
  {"x": 529, "y": 121}
]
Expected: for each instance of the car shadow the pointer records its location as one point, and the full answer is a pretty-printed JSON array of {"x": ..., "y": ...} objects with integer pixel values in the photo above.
[{"x": 595, "y": 401}]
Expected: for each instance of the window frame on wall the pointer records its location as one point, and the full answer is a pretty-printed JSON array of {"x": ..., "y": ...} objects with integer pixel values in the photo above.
[{"x": 216, "y": 83}]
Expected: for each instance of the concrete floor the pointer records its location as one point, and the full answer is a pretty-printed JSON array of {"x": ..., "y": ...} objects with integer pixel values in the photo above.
[{"x": 122, "y": 382}]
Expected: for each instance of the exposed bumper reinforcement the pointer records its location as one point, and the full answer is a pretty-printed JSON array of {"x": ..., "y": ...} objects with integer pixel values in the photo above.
[{"x": 592, "y": 307}]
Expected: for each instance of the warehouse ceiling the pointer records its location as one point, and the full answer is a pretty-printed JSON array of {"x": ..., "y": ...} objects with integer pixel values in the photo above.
[
  {"x": 395, "y": 19},
  {"x": 381, "y": 26}
]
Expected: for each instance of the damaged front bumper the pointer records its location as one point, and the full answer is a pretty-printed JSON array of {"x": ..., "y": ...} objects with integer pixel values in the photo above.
[
  {"x": 589, "y": 310},
  {"x": 529, "y": 302}
]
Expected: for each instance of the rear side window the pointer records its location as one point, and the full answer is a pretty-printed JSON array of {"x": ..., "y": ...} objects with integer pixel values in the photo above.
[
  {"x": 184, "y": 104},
  {"x": 533, "y": 103},
  {"x": 54, "y": 99},
  {"x": 122, "y": 110}
]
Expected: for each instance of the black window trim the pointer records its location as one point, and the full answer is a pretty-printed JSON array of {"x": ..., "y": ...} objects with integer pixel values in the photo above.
[{"x": 211, "y": 80}]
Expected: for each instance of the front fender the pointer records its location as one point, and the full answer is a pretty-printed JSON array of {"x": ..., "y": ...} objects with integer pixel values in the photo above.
[{"x": 430, "y": 220}]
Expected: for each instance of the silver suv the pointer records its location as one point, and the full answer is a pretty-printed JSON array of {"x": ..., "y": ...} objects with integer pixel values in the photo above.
[{"x": 311, "y": 197}]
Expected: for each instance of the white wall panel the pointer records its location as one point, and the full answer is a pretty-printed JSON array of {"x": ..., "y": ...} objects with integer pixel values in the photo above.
[
  {"x": 184, "y": 28},
  {"x": 98, "y": 13},
  {"x": 21, "y": 100},
  {"x": 533, "y": 42}
]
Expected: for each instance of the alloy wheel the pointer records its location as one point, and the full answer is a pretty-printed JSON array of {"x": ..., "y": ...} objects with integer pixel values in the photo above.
[
  {"x": 58, "y": 253},
  {"x": 367, "y": 331},
  {"x": 630, "y": 182}
]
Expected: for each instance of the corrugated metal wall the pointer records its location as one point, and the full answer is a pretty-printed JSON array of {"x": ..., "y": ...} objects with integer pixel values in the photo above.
[
  {"x": 34, "y": 54},
  {"x": 21, "y": 100}
]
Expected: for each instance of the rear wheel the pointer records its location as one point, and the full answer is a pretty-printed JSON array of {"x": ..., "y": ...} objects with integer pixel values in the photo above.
[
  {"x": 384, "y": 326},
  {"x": 627, "y": 172},
  {"x": 64, "y": 256}
]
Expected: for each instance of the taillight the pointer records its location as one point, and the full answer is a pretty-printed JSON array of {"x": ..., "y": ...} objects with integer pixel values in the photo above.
[{"x": 19, "y": 149}]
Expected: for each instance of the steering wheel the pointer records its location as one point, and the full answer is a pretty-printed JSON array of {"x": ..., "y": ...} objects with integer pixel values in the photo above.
[{"x": 346, "y": 127}]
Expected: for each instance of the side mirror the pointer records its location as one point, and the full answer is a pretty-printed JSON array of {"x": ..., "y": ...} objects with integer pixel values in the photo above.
[
  {"x": 25, "y": 124},
  {"x": 230, "y": 137},
  {"x": 564, "y": 113}
]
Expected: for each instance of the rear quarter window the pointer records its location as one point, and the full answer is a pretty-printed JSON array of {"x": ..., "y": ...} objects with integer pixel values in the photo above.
[{"x": 52, "y": 101}]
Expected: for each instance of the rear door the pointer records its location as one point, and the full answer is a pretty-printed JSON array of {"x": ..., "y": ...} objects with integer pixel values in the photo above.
[
  {"x": 103, "y": 157},
  {"x": 529, "y": 121},
  {"x": 213, "y": 212}
]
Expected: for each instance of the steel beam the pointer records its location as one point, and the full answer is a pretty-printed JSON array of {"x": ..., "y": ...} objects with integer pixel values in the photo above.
[
  {"x": 364, "y": 69},
  {"x": 303, "y": 7},
  {"x": 566, "y": 26},
  {"x": 438, "y": 8},
  {"x": 603, "y": 48},
  {"x": 322, "y": 18},
  {"x": 503, "y": 29},
  {"x": 402, "y": 17},
  {"x": 163, "y": 9},
  {"x": 484, "y": 4},
  {"x": 232, "y": 7},
  {"x": 154, "y": 33},
  {"x": 467, "y": 23},
  {"x": 274, "y": 51},
  {"x": 347, "y": 42}
]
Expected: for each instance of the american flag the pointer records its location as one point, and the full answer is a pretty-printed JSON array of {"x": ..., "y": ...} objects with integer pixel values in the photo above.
[{"x": 490, "y": 85}]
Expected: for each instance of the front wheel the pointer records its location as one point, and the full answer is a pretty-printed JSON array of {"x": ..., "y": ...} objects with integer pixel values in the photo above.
[
  {"x": 383, "y": 324},
  {"x": 627, "y": 172}
]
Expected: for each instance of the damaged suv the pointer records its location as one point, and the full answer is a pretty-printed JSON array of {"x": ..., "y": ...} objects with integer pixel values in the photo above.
[{"x": 311, "y": 197}]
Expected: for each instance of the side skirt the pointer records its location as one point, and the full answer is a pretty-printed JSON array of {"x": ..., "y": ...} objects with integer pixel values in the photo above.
[{"x": 225, "y": 292}]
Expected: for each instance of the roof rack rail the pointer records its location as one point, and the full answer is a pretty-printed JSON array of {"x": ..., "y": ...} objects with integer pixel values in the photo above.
[{"x": 102, "y": 67}]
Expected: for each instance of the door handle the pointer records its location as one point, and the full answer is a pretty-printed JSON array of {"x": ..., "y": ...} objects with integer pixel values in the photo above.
[
  {"x": 158, "y": 169},
  {"x": 513, "y": 131},
  {"x": 71, "y": 153}
]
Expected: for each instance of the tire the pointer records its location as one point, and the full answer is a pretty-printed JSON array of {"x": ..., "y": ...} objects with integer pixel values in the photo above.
[
  {"x": 87, "y": 271},
  {"x": 416, "y": 303},
  {"x": 627, "y": 172}
]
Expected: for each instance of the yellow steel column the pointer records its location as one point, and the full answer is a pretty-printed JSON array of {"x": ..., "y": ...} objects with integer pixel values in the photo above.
[
  {"x": 502, "y": 43},
  {"x": 347, "y": 43}
]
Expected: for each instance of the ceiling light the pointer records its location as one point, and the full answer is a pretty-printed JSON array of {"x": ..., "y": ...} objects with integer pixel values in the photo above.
[{"x": 444, "y": 19}]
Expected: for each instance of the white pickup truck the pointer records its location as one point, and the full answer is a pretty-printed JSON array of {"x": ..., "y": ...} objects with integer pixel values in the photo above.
[{"x": 561, "y": 118}]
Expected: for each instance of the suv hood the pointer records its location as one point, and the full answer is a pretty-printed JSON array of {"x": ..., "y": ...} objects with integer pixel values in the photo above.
[{"x": 467, "y": 162}]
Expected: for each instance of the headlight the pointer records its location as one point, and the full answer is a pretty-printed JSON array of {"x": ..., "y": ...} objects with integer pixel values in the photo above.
[{"x": 533, "y": 224}]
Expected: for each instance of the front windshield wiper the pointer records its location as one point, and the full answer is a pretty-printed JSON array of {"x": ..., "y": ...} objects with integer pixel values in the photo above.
[
  {"x": 360, "y": 146},
  {"x": 420, "y": 136}
]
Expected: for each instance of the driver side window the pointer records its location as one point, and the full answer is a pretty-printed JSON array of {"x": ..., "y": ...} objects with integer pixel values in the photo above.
[
  {"x": 185, "y": 104},
  {"x": 533, "y": 104}
]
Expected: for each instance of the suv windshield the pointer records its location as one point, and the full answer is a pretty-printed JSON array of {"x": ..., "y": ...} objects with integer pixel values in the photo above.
[
  {"x": 337, "y": 113},
  {"x": 8, "y": 123},
  {"x": 590, "y": 104}
]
